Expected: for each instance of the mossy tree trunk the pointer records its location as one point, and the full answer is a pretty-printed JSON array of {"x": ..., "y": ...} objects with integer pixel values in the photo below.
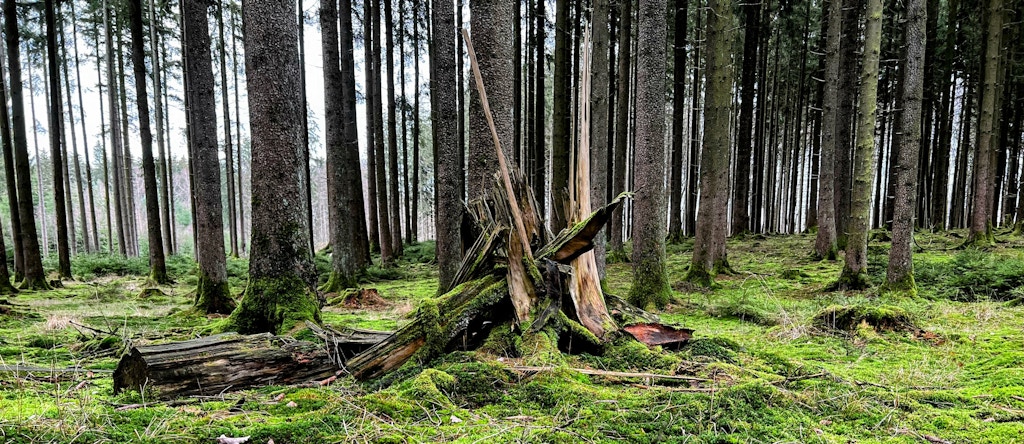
[
  {"x": 650, "y": 280},
  {"x": 855, "y": 268},
  {"x": 709, "y": 253},
  {"x": 350, "y": 251},
  {"x": 825, "y": 240},
  {"x": 212, "y": 292},
  {"x": 157, "y": 269},
  {"x": 282, "y": 278},
  {"x": 984, "y": 154},
  {"x": 900, "y": 274}
]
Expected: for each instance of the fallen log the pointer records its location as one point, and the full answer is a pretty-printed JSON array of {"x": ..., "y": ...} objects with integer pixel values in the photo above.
[{"x": 214, "y": 364}]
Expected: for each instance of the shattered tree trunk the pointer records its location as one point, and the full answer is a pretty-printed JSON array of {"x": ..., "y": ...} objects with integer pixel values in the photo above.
[{"x": 229, "y": 361}]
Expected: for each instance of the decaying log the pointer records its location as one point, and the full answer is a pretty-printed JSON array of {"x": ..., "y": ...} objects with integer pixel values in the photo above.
[
  {"x": 214, "y": 364},
  {"x": 659, "y": 334},
  {"x": 579, "y": 238}
]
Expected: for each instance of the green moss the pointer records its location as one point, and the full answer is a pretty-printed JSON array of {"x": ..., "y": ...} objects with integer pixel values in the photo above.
[
  {"x": 713, "y": 349},
  {"x": 904, "y": 287},
  {"x": 274, "y": 305},
  {"x": 213, "y": 297},
  {"x": 628, "y": 354},
  {"x": 337, "y": 282},
  {"x": 880, "y": 317},
  {"x": 700, "y": 276},
  {"x": 503, "y": 341},
  {"x": 433, "y": 332}
]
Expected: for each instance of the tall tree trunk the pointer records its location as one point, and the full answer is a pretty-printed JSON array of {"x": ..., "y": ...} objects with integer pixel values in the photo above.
[
  {"x": 301, "y": 26},
  {"x": 599, "y": 121},
  {"x": 350, "y": 250},
  {"x": 373, "y": 226},
  {"x": 899, "y": 276},
  {"x": 622, "y": 97},
  {"x": 387, "y": 248},
  {"x": 561, "y": 118},
  {"x": 10, "y": 178},
  {"x": 161, "y": 163},
  {"x": 85, "y": 137},
  {"x": 406, "y": 204},
  {"x": 847, "y": 115},
  {"x": 540, "y": 110},
  {"x": 984, "y": 154},
  {"x": 461, "y": 100},
  {"x": 745, "y": 137},
  {"x": 229, "y": 147},
  {"x": 57, "y": 143},
  {"x": 74, "y": 150},
  {"x": 944, "y": 131},
  {"x": 157, "y": 269},
  {"x": 282, "y": 278},
  {"x": 491, "y": 23},
  {"x": 675, "y": 185},
  {"x": 39, "y": 163},
  {"x": 127, "y": 164},
  {"x": 445, "y": 128},
  {"x": 238, "y": 141},
  {"x": 394, "y": 208},
  {"x": 115, "y": 137},
  {"x": 650, "y": 279},
  {"x": 709, "y": 254},
  {"x": 212, "y": 293},
  {"x": 415, "y": 211},
  {"x": 825, "y": 241},
  {"x": 855, "y": 269},
  {"x": 34, "y": 277}
]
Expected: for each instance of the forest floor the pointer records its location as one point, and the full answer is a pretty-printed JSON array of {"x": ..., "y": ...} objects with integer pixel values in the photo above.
[{"x": 947, "y": 366}]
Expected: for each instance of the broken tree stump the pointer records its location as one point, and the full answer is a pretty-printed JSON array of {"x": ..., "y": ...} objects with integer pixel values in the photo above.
[{"x": 214, "y": 364}]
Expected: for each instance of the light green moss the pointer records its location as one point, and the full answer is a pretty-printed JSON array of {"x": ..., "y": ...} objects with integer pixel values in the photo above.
[
  {"x": 213, "y": 297},
  {"x": 275, "y": 306}
]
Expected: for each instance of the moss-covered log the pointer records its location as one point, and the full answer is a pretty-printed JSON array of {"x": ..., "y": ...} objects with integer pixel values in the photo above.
[{"x": 214, "y": 364}]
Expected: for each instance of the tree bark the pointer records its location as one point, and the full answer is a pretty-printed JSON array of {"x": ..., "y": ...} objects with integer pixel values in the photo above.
[
  {"x": 387, "y": 247},
  {"x": 373, "y": 226},
  {"x": 229, "y": 162},
  {"x": 599, "y": 121},
  {"x": 10, "y": 178},
  {"x": 709, "y": 253},
  {"x": 618, "y": 222},
  {"x": 540, "y": 110},
  {"x": 212, "y": 293},
  {"x": 74, "y": 150},
  {"x": 161, "y": 162},
  {"x": 561, "y": 118},
  {"x": 900, "y": 274},
  {"x": 675, "y": 187},
  {"x": 394, "y": 208},
  {"x": 745, "y": 137},
  {"x": 491, "y": 23},
  {"x": 282, "y": 277},
  {"x": 157, "y": 269},
  {"x": 854, "y": 274},
  {"x": 57, "y": 143},
  {"x": 980, "y": 234},
  {"x": 650, "y": 279},
  {"x": 825, "y": 240},
  {"x": 445, "y": 126},
  {"x": 350, "y": 253},
  {"x": 847, "y": 115}
]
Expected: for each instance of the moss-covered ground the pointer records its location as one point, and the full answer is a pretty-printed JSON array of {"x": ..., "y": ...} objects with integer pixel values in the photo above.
[{"x": 780, "y": 360}]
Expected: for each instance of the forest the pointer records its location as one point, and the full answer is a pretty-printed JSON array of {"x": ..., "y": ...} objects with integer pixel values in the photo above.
[{"x": 403, "y": 221}]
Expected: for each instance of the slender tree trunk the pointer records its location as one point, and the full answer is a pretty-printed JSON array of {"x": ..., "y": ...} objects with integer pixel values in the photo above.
[
  {"x": 854, "y": 274},
  {"x": 939, "y": 192},
  {"x": 540, "y": 118},
  {"x": 229, "y": 147},
  {"x": 39, "y": 162},
  {"x": 693, "y": 165},
  {"x": 709, "y": 253},
  {"x": 238, "y": 141},
  {"x": 745, "y": 137},
  {"x": 394, "y": 196},
  {"x": 115, "y": 138},
  {"x": 406, "y": 205},
  {"x": 599, "y": 121},
  {"x": 212, "y": 293},
  {"x": 127, "y": 164},
  {"x": 415, "y": 212},
  {"x": 617, "y": 226},
  {"x": 12, "y": 185},
  {"x": 157, "y": 269},
  {"x": 445, "y": 127},
  {"x": 561, "y": 117},
  {"x": 650, "y": 279},
  {"x": 32, "y": 261},
  {"x": 825, "y": 241},
  {"x": 675, "y": 187},
  {"x": 847, "y": 115},
  {"x": 282, "y": 278},
  {"x": 387, "y": 248},
  {"x": 161, "y": 162},
  {"x": 350, "y": 252},
  {"x": 369, "y": 39},
  {"x": 301, "y": 25},
  {"x": 984, "y": 154},
  {"x": 85, "y": 137},
  {"x": 74, "y": 150},
  {"x": 900, "y": 274},
  {"x": 56, "y": 143}
]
